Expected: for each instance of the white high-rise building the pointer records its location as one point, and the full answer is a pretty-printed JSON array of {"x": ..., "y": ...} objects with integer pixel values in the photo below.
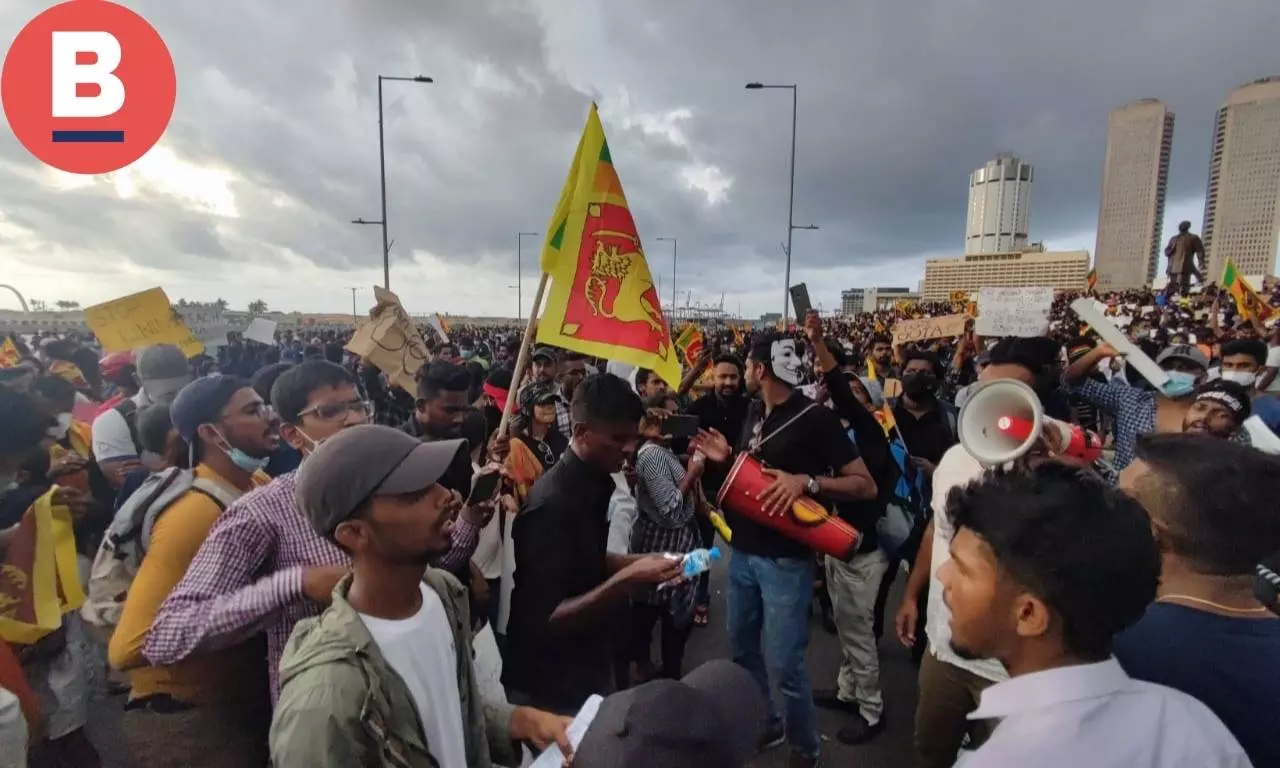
[
  {"x": 1135, "y": 174},
  {"x": 999, "y": 206},
  {"x": 1240, "y": 216}
]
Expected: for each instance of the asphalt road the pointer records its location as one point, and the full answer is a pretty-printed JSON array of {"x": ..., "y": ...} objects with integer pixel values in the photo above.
[{"x": 891, "y": 749}]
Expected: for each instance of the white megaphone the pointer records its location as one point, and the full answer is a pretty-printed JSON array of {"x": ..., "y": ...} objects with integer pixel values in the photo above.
[{"x": 1002, "y": 420}]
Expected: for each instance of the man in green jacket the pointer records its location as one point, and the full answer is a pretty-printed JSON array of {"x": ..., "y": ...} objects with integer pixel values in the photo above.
[{"x": 384, "y": 676}]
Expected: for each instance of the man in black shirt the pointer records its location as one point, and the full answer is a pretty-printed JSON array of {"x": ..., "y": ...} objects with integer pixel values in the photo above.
[
  {"x": 567, "y": 586},
  {"x": 723, "y": 409},
  {"x": 807, "y": 452},
  {"x": 927, "y": 425}
]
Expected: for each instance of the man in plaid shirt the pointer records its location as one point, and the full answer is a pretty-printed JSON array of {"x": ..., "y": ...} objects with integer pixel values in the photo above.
[{"x": 263, "y": 567}]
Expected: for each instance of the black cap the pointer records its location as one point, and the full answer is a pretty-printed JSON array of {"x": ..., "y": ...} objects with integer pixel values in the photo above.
[
  {"x": 1230, "y": 395},
  {"x": 544, "y": 352},
  {"x": 364, "y": 461},
  {"x": 201, "y": 402},
  {"x": 713, "y": 718}
]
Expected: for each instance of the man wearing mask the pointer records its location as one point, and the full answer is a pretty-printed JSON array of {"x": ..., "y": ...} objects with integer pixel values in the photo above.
[
  {"x": 205, "y": 710},
  {"x": 771, "y": 576},
  {"x": 1212, "y": 508},
  {"x": 1026, "y": 589},
  {"x": 723, "y": 409},
  {"x": 570, "y": 591},
  {"x": 262, "y": 564},
  {"x": 1140, "y": 410},
  {"x": 1244, "y": 361},
  {"x": 927, "y": 424},
  {"x": 384, "y": 677},
  {"x": 162, "y": 372}
]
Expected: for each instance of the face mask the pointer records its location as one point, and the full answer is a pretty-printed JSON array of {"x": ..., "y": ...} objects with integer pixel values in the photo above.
[
  {"x": 1243, "y": 378},
  {"x": 242, "y": 460},
  {"x": 1180, "y": 384},
  {"x": 314, "y": 442},
  {"x": 467, "y": 354},
  {"x": 63, "y": 426},
  {"x": 918, "y": 384}
]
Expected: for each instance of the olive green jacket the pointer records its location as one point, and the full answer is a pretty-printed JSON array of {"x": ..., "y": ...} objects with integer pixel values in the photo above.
[{"x": 341, "y": 704}]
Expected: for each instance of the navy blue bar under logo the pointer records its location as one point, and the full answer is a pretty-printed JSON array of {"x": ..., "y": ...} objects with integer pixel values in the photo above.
[{"x": 88, "y": 137}]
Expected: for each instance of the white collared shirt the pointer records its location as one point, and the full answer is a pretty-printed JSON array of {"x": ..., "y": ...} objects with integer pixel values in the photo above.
[
  {"x": 956, "y": 469},
  {"x": 1096, "y": 716}
]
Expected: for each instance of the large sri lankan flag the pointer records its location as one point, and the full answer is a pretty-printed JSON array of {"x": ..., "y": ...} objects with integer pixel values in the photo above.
[{"x": 603, "y": 302}]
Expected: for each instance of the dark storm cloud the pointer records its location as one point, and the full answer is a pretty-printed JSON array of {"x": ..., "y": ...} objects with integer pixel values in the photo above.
[{"x": 898, "y": 102}]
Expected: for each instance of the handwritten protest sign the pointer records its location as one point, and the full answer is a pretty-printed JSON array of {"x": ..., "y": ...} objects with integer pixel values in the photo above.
[
  {"x": 139, "y": 320},
  {"x": 262, "y": 331},
  {"x": 1014, "y": 311},
  {"x": 390, "y": 341},
  {"x": 945, "y": 327}
]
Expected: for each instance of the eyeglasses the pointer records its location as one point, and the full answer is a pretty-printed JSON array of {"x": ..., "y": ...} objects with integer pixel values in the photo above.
[{"x": 335, "y": 411}]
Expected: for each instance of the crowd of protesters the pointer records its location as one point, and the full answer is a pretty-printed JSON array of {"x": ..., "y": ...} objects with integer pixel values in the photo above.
[{"x": 289, "y": 561}]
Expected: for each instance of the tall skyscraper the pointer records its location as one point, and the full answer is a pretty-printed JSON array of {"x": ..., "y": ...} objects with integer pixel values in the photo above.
[
  {"x": 1240, "y": 217},
  {"x": 1135, "y": 174},
  {"x": 999, "y": 203}
]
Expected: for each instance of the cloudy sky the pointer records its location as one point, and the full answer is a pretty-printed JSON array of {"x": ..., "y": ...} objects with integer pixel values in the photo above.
[{"x": 273, "y": 147}]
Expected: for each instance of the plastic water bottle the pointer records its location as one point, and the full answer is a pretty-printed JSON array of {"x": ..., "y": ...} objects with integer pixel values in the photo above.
[{"x": 692, "y": 565}]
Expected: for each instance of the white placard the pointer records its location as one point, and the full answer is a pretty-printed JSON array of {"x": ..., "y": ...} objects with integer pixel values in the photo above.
[
  {"x": 553, "y": 757},
  {"x": 1013, "y": 311},
  {"x": 262, "y": 331}
]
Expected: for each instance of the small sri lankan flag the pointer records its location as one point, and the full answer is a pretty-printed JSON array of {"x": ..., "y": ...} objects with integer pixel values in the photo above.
[
  {"x": 1249, "y": 304},
  {"x": 1092, "y": 279},
  {"x": 602, "y": 300}
]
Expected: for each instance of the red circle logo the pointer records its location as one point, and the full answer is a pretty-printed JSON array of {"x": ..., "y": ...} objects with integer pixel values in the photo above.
[{"x": 88, "y": 86}]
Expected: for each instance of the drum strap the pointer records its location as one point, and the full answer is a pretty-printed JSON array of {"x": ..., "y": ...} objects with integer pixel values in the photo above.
[{"x": 758, "y": 444}]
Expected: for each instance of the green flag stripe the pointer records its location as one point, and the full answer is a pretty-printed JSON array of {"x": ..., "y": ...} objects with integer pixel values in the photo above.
[
  {"x": 605, "y": 157},
  {"x": 557, "y": 239},
  {"x": 1229, "y": 275}
]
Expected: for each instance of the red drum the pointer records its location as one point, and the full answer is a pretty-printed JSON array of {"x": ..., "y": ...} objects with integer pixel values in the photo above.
[{"x": 808, "y": 522}]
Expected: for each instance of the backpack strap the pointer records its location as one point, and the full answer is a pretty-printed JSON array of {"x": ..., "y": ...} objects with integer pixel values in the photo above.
[
  {"x": 129, "y": 410},
  {"x": 137, "y": 520},
  {"x": 221, "y": 495}
]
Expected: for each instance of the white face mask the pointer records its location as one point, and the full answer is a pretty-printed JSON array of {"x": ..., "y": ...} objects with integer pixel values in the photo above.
[
  {"x": 786, "y": 363},
  {"x": 60, "y": 430},
  {"x": 1243, "y": 378}
]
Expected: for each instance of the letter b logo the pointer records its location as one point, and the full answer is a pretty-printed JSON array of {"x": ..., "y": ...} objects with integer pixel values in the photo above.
[{"x": 88, "y": 86}]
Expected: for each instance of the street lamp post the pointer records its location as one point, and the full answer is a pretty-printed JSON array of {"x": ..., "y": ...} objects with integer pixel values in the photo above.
[
  {"x": 520, "y": 236},
  {"x": 675, "y": 246},
  {"x": 791, "y": 200},
  {"x": 382, "y": 167},
  {"x": 355, "y": 318}
]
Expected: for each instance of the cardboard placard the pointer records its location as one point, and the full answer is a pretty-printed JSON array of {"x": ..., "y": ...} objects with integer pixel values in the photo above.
[
  {"x": 390, "y": 341},
  {"x": 262, "y": 331},
  {"x": 944, "y": 327},
  {"x": 140, "y": 320},
  {"x": 1014, "y": 311}
]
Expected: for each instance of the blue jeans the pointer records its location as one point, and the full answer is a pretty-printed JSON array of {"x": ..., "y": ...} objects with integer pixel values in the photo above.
[{"x": 768, "y": 608}]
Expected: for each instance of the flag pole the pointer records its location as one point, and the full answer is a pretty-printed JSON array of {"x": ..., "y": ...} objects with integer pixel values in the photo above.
[{"x": 522, "y": 359}]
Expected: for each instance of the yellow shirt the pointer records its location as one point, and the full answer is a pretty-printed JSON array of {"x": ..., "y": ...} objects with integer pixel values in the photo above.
[{"x": 211, "y": 677}]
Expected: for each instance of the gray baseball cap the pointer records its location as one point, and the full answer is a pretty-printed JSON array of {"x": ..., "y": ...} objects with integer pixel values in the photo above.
[
  {"x": 368, "y": 460},
  {"x": 545, "y": 352},
  {"x": 713, "y": 718},
  {"x": 163, "y": 371},
  {"x": 1184, "y": 352}
]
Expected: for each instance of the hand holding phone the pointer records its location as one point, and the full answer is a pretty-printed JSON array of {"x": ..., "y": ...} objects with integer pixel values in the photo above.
[{"x": 484, "y": 487}]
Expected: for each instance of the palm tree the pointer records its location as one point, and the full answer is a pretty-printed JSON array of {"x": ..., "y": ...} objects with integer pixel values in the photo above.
[
  {"x": 38, "y": 305},
  {"x": 257, "y": 307},
  {"x": 66, "y": 306},
  {"x": 222, "y": 304}
]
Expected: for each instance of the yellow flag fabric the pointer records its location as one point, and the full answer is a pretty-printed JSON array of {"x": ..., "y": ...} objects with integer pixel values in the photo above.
[
  {"x": 602, "y": 300},
  {"x": 39, "y": 577}
]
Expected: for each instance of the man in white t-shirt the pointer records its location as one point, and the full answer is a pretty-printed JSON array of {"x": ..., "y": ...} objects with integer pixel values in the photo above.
[
  {"x": 385, "y": 676},
  {"x": 949, "y": 685},
  {"x": 162, "y": 372}
]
